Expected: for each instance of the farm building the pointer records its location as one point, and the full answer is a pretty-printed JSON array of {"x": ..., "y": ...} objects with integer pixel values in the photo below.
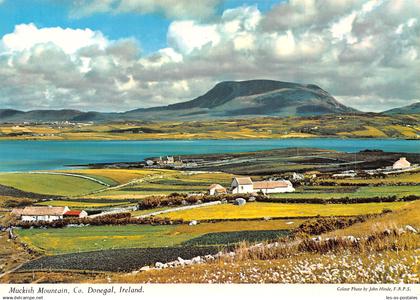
[
  {"x": 272, "y": 187},
  {"x": 245, "y": 185},
  {"x": 40, "y": 213},
  {"x": 216, "y": 189},
  {"x": 241, "y": 185},
  {"x": 402, "y": 163},
  {"x": 75, "y": 214},
  {"x": 17, "y": 212}
]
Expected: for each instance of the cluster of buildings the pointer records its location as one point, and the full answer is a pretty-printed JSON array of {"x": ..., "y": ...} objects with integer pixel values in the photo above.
[
  {"x": 171, "y": 162},
  {"x": 245, "y": 185},
  {"x": 401, "y": 165},
  {"x": 47, "y": 213}
]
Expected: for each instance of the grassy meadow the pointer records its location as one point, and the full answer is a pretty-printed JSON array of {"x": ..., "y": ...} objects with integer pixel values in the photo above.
[
  {"x": 49, "y": 184},
  {"x": 89, "y": 238},
  {"x": 257, "y": 210},
  {"x": 334, "y": 192}
]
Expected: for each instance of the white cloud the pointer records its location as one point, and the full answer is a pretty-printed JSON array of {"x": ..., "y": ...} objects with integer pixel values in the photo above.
[
  {"x": 173, "y": 9},
  {"x": 26, "y": 36},
  {"x": 187, "y": 36}
]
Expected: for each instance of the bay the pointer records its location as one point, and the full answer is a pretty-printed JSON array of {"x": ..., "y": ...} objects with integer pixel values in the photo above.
[{"x": 50, "y": 155}]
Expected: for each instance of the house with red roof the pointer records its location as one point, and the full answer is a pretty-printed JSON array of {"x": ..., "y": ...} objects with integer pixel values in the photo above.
[{"x": 75, "y": 214}]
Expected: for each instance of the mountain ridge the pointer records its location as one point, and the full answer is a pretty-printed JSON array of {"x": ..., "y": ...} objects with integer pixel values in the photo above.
[
  {"x": 226, "y": 99},
  {"x": 413, "y": 108}
]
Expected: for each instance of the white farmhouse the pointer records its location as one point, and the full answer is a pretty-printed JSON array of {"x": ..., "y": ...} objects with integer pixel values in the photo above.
[
  {"x": 216, "y": 189},
  {"x": 241, "y": 185},
  {"x": 402, "y": 163},
  {"x": 40, "y": 213},
  {"x": 273, "y": 187}
]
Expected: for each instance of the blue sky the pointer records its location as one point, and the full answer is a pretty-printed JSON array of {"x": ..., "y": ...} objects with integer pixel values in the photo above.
[
  {"x": 149, "y": 29},
  {"x": 118, "y": 55}
]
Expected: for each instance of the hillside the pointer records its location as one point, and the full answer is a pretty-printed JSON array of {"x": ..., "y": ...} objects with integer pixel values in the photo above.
[
  {"x": 409, "y": 109},
  {"x": 342, "y": 126},
  {"x": 225, "y": 100}
]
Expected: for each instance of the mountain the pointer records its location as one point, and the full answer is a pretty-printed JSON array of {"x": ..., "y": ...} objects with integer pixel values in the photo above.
[
  {"x": 225, "y": 100},
  {"x": 409, "y": 109},
  {"x": 250, "y": 98}
]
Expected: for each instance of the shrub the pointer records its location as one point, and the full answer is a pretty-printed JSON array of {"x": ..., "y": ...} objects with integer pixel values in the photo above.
[
  {"x": 112, "y": 219},
  {"x": 321, "y": 225},
  {"x": 11, "y": 203}
]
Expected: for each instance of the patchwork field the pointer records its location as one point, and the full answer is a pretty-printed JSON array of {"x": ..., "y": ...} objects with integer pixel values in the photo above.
[
  {"x": 119, "y": 176},
  {"x": 334, "y": 192},
  {"x": 404, "y": 178},
  {"x": 363, "y": 125},
  {"x": 90, "y": 238},
  {"x": 384, "y": 260},
  {"x": 122, "y": 185},
  {"x": 280, "y": 210},
  {"x": 167, "y": 182}
]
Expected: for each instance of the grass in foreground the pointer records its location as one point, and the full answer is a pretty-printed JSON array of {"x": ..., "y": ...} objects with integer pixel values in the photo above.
[
  {"x": 261, "y": 210},
  {"x": 389, "y": 259},
  {"x": 386, "y": 267},
  {"x": 12, "y": 254}
]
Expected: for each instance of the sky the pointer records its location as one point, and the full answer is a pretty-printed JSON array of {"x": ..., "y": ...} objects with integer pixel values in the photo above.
[{"x": 118, "y": 55}]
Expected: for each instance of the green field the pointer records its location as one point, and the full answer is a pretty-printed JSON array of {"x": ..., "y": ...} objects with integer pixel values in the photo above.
[
  {"x": 120, "y": 176},
  {"x": 69, "y": 240},
  {"x": 79, "y": 239},
  {"x": 82, "y": 204},
  {"x": 168, "y": 182},
  {"x": 135, "y": 184},
  {"x": 329, "y": 192},
  {"x": 408, "y": 177},
  {"x": 279, "y": 210},
  {"x": 48, "y": 184}
]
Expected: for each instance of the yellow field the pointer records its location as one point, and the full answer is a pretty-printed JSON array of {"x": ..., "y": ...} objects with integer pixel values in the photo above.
[
  {"x": 229, "y": 226},
  {"x": 120, "y": 175},
  {"x": 261, "y": 210},
  {"x": 408, "y": 215},
  {"x": 369, "y": 132},
  {"x": 404, "y": 130}
]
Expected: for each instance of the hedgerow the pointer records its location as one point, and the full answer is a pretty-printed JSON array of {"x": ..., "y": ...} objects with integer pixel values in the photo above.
[{"x": 111, "y": 219}]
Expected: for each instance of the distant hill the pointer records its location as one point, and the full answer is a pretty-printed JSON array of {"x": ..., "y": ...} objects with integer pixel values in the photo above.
[
  {"x": 227, "y": 99},
  {"x": 409, "y": 109},
  {"x": 251, "y": 98}
]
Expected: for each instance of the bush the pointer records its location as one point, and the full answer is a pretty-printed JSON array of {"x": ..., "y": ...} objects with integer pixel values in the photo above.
[
  {"x": 12, "y": 203},
  {"x": 176, "y": 199},
  {"x": 321, "y": 225}
]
